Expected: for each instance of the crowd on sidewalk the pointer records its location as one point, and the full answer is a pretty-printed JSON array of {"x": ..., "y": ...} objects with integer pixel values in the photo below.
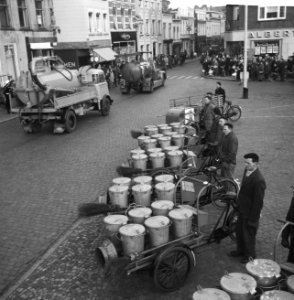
[{"x": 262, "y": 67}]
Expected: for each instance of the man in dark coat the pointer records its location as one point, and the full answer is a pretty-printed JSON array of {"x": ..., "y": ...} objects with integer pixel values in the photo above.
[
  {"x": 288, "y": 232},
  {"x": 228, "y": 151},
  {"x": 250, "y": 203}
]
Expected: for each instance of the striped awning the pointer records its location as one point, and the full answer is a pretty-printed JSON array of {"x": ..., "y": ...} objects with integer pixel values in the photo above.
[{"x": 104, "y": 54}]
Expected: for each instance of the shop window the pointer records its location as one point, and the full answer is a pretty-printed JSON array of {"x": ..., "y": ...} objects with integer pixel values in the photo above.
[
  {"x": 39, "y": 13},
  {"x": 22, "y": 13},
  {"x": 266, "y": 13},
  {"x": 4, "y": 14}
]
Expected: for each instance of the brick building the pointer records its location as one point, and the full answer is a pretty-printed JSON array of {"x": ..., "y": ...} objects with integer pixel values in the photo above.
[
  {"x": 27, "y": 30},
  {"x": 270, "y": 30},
  {"x": 83, "y": 32}
]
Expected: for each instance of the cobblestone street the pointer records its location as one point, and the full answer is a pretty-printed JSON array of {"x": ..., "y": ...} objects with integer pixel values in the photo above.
[{"x": 47, "y": 252}]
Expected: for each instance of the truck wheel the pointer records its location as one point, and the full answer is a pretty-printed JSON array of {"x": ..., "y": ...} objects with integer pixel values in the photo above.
[
  {"x": 70, "y": 121},
  {"x": 105, "y": 106}
]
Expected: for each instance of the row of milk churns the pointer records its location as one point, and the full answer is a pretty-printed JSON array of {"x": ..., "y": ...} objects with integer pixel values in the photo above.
[
  {"x": 141, "y": 188},
  {"x": 154, "y": 218},
  {"x": 159, "y": 142}
]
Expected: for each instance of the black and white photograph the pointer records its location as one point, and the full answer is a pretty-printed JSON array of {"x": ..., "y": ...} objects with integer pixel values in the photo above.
[{"x": 146, "y": 150}]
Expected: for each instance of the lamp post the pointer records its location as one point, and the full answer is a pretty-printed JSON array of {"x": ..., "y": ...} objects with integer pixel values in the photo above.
[{"x": 245, "y": 78}]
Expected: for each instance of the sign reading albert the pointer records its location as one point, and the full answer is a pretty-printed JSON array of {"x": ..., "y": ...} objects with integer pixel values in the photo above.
[{"x": 272, "y": 34}]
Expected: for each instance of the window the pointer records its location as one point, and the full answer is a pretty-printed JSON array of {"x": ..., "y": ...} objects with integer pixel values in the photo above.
[
  {"x": 22, "y": 13},
  {"x": 4, "y": 14},
  {"x": 266, "y": 13},
  {"x": 39, "y": 13},
  {"x": 98, "y": 22},
  {"x": 90, "y": 15},
  {"x": 147, "y": 27},
  {"x": 104, "y": 23},
  {"x": 236, "y": 13}
]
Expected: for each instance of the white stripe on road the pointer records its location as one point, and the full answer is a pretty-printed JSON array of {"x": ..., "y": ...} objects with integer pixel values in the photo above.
[
  {"x": 172, "y": 77},
  {"x": 196, "y": 77},
  {"x": 181, "y": 77},
  {"x": 188, "y": 77}
]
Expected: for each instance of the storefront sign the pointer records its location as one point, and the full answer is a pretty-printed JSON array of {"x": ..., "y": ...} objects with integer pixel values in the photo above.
[
  {"x": 262, "y": 49},
  {"x": 272, "y": 34},
  {"x": 269, "y": 49},
  {"x": 275, "y": 49},
  {"x": 257, "y": 51}
]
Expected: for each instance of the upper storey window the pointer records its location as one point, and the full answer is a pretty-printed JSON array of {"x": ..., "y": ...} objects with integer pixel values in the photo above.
[
  {"x": 4, "y": 14},
  {"x": 266, "y": 13}
]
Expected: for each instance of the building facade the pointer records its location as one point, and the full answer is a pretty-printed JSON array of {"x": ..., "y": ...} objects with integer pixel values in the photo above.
[
  {"x": 187, "y": 30},
  {"x": 123, "y": 26},
  {"x": 150, "y": 29},
  {"x": 83, "y": 32},
  {"x": 27, "y": 29},
  {"x": 270, "y": 30},
  {"x": 167, "y": 26}
]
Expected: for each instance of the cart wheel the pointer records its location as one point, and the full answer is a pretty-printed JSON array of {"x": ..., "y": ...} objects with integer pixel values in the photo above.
[
  {"x": 105, "y": 106},
  {"x": 232, "y": 223},
  {"x": 219, "y": 191},
  {"x": 70, "y": 121},
  {"x": 172, "y": 268},
  {"x": 162, "y": 171},
  {"x": 234, "y": 113}
]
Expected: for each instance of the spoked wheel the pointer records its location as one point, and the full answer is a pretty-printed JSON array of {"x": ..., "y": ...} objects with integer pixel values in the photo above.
[
  {"x": 234, "y": 113},
  {"x": 221, "y": 189},
  {"x": 232, "y": 223},
  {"x": 172, "y": 267}
]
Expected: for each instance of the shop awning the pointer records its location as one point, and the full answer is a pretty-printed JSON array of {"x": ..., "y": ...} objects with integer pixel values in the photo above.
[
  {"x": 104, "y": 54},
  {"x": 37, "y": 46}
]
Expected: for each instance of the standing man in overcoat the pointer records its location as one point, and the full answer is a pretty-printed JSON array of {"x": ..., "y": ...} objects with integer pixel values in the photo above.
[{"x": 250, "y": 203}]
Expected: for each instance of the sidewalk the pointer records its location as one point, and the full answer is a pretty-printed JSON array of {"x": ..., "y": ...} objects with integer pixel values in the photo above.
[{"x": 4, "y": 116}]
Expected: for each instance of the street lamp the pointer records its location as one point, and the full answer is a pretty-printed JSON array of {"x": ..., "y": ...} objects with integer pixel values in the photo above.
[{"x": 245, "y": 78}]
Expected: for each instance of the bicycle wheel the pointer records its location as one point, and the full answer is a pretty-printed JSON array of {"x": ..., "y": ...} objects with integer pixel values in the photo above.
[
  {"x": 231, "y": 224},
  {"x": 204, "y": 196},
  {"x": 172, "y": 267},
  {"x": 220, "y": 189},
  {"x": 234, "y": 113}
]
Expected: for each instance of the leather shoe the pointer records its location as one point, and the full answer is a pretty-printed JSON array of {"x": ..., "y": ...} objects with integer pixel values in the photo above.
[
  {"x": 246, "y": 259},
  {"x": 236, "y": 253}
]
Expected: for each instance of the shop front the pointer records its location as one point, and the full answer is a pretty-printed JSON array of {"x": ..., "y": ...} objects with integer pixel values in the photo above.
[
  {"x": 167, "y": 46},
  {"x": 277, "y": 42},
  {"x": 124, "y": 42}
]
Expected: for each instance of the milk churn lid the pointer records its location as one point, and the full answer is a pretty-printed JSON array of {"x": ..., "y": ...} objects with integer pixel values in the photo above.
[
  {"x": 210, "y": 294},
  {"x": 164, "y": 178},
  {"x": 238, "y": 283},
  {"x": 140, "y": 212},
  {"x": 175, "y": 153},
  {"x": 132, "y": 229},
  {"x": 118, "y": 188},
  {"x": 276, "y": 295},
  {"x": 157, "y": 221},
  {"x": 263, "y": 268},
  {"x": 121, "y": 180},
  {"x": 164, "y": 186},
  {"x": 116, "y": 219},
  {"x": 142, "y": 179},
  {"x": 162, "y": 204},
  {"x": 180, "y": 213},
  {"x": 141, "y": 187}
]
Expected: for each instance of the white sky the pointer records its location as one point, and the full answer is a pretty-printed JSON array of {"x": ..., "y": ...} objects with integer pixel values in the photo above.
[{"x": 192, "y": 3}]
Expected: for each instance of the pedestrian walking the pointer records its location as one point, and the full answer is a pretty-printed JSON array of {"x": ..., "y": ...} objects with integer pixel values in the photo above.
[
  {"x": 228, "y": 151},
  {"x": 250, "y": 203},
  {"x": 221, "y": 94}
]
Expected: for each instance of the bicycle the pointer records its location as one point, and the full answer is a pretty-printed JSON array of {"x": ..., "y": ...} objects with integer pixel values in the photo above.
[{"x": 228, "y": 110}]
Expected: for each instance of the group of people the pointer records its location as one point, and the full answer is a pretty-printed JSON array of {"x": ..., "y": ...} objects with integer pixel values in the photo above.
[
  {"x": 219, "y": 133},
  {"x": 259, "y": 68},
  {"x": 165, "y": 61}
]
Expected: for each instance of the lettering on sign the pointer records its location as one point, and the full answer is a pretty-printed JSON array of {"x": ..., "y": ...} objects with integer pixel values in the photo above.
[{"x": 270, "y": 34}]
